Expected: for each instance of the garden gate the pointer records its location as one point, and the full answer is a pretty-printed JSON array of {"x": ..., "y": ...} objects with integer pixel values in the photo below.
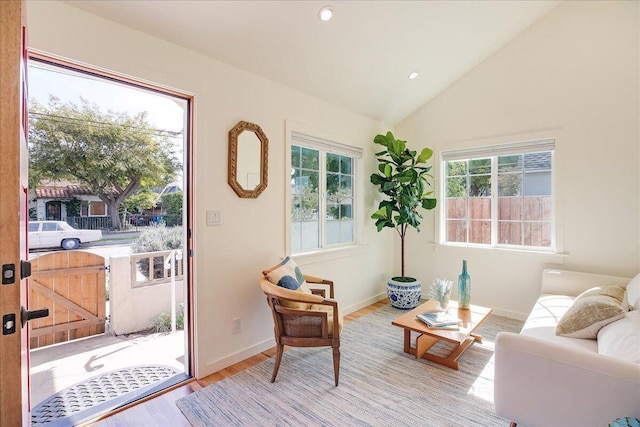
[{"x": 72, "y": 285}]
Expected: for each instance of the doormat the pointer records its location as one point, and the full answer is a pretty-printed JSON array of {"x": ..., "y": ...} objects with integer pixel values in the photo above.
[{"x": 62, "y": 408}]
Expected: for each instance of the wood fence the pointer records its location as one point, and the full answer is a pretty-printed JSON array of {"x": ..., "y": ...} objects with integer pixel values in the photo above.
[{"x": 521, "y": 220}]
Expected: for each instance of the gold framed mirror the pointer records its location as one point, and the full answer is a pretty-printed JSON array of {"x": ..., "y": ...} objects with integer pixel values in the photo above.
[{"x": 248, "y": 160}]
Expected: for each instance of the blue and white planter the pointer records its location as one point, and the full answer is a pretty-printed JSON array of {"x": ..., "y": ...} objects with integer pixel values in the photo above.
[{"x": 404, "y": 295}]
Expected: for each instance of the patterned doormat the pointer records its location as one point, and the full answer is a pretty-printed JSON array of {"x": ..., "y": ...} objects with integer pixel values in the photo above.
[{"x": 97, "y": 390}]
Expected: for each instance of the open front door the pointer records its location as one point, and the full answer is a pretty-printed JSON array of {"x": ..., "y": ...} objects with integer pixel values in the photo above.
[{"x": 14, "y": 350}]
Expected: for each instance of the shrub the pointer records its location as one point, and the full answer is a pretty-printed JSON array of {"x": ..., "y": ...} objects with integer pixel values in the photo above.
[
  {"x": 162, "y": 322},
  {"x": 157, "y": 237}
]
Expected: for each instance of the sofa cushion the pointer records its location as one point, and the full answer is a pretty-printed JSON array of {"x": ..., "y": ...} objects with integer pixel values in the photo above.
[
  {"x": 592, "y": 310},
  {"x": 621, "y": 339},
  {"x": 288, "y": 275},
  {"x": 329, "y": 310},
  {"x": 544, "y": 317},
  {"x": 633, "y": 293}
]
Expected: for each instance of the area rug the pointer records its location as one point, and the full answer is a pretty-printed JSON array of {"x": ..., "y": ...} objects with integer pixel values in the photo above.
[{"x": 380, "y": 385}]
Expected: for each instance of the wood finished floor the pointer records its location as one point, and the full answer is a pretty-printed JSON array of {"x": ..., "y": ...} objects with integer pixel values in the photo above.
[{"x": 162, "y": 410}]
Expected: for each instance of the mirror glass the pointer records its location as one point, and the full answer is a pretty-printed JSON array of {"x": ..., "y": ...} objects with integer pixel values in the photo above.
[
  {"x": 248, "y": 170},
  {"x": 248, "y": 151}
]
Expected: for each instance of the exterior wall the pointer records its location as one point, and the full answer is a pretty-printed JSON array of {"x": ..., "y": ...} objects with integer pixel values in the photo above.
[
  {"x": 573, "y": 76},
  {"x": 134, "y": 309},
  {"x": 41, "y": 206},
  {"x": 230, "y": 257}
]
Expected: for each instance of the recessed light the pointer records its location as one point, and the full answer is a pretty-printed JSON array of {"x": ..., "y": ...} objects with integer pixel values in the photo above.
[
  {"x": 413, "y": 75},
  {"x": 326, "y": 13}
]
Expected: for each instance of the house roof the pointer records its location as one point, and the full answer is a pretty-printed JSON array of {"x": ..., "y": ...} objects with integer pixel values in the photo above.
[{"x": 60, "y": 191}]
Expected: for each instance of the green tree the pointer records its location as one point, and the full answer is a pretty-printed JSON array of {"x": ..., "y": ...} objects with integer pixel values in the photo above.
[
  {"x": 113, "y": 154},
  {"x": 172, "y": 205},
  {"x": 143, "y": 199}
]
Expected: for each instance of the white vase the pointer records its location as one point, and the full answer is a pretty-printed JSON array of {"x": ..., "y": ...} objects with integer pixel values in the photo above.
[{"x": 404, "y": 295}]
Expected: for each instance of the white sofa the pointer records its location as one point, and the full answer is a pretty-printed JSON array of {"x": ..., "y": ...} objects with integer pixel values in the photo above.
[{"x": 542, "y": 379}]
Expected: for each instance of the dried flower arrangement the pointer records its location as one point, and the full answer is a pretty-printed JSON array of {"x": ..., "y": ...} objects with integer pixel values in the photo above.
[{"x": 441, "y": 291}]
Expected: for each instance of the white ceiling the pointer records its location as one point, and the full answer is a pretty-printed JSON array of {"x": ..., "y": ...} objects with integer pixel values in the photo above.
[{"x": 359, "y": 60}]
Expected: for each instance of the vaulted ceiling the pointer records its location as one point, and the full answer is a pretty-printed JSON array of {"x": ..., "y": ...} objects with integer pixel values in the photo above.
[{"x": 359, "y": 60}]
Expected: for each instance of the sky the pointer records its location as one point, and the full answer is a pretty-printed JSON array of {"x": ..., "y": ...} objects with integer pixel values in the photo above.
[{"x": 164, "y": 112}]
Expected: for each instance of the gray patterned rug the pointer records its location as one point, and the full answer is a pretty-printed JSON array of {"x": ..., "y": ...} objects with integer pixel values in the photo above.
[{"x": 380, "y": 385}]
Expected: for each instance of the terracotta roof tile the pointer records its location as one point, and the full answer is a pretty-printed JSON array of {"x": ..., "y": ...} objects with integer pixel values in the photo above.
[{"x": 57, "y": 192}]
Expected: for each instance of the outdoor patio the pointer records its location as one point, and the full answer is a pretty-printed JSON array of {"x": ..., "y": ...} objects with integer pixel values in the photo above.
[{"x": 57, "y": 367}]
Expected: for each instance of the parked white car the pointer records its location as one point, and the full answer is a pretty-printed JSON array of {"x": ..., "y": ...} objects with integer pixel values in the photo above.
[{"x": 59, "y": 234}]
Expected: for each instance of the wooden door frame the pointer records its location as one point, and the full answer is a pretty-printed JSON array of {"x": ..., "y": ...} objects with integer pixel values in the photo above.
[{"x": 14, "y": 353}]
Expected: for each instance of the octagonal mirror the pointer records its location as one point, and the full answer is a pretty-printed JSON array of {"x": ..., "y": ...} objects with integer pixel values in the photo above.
[{"x": 248, "y": 154}]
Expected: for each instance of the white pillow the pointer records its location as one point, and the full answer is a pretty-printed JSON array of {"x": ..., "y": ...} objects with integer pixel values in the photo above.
[
  {"x": 633, "y": 293},
  {"x": 621, "y": 339}
]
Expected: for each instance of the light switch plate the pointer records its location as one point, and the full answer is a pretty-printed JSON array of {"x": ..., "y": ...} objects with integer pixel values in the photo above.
[{"x": 214, "y": 218}]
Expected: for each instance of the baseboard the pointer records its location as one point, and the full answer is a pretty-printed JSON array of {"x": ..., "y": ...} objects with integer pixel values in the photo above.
[
  {"x": 217, "y": 365},
  {"x": 365, "y": 303}
]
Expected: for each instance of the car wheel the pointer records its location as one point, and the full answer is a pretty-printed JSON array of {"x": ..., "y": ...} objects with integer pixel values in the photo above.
[{"x": 69, "y": 244}]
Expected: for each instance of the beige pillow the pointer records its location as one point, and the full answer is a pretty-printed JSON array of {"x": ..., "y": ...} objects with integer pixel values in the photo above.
[{"x": 592, "y": 310}]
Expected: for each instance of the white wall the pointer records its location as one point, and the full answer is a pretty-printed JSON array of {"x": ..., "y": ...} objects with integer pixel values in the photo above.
[
  {"x": 572, "y": 76},
  {"x": 133, "y": 309},
  {"x": 229, "y": 258}
]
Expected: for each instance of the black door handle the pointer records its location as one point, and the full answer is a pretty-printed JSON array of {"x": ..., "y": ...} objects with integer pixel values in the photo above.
[{"x": 27, "y": 315}]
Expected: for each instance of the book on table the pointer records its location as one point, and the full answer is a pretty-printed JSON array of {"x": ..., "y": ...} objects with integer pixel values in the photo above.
[{"x": 439, "y": 320}]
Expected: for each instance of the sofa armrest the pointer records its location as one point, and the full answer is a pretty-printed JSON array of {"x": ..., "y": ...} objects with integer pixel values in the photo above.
[{"x": 539, "y": 383}]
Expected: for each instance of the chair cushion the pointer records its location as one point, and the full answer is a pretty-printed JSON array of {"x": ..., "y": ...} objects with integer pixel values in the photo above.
[
  {"x": 592, "y": 310},
  {"x": 288, "y": 275},
  {"x": 329, "y": 310}
]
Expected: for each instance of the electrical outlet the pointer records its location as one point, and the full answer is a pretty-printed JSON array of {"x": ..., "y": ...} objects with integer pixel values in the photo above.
[{"x": 237, "y": 325}]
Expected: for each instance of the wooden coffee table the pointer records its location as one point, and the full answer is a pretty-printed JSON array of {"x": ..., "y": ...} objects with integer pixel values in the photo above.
[{"x": 428, "y": 337}]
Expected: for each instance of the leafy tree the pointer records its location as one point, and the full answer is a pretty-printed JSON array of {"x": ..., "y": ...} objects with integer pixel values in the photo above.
[
  {"x": 113, "y": 154},
  {"x": 143, "y": 199},
  {"x": 172, "y": 203}
]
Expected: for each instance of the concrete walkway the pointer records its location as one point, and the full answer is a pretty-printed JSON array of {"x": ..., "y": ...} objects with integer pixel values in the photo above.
[{"x": 56, "y": 367}]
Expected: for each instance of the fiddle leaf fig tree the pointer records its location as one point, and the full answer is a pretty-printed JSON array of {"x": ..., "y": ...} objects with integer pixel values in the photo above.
[{"x": 404, "y": 179}]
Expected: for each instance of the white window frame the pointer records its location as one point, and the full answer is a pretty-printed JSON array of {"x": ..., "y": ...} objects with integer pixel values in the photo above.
[
  {"x": 300, "y": 135},
  {"x": 493, "y": 151}
]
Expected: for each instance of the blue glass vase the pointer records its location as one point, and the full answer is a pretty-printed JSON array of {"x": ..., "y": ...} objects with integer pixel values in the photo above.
[{"x": 464, "y": 287}]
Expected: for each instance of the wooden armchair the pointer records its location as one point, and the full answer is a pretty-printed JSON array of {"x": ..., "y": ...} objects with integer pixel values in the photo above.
[{"x": 304, "y": 320}]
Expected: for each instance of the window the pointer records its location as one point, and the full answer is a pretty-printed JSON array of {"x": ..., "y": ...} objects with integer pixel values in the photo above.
[
  {"x": 499, "y": 195},
  {"x": 323, "y": 182}
]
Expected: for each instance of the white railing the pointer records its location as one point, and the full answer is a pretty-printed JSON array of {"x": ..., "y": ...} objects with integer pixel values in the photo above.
[
  {"x": 170, "y": 264},
  {"x": 150, "y": 268}
]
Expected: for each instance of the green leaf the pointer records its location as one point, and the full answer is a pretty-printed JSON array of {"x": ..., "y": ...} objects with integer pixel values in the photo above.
[
  {"x": 377, "y": 179},
  {"x": 425, "y": 155},
  {"x": 429, "y": 203},
  {"x": 407, "y": 176},
  {"x": 380, "y": 214},
  {"x": 397, "y": 147},
  {"x": 381, "y": 139}
]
